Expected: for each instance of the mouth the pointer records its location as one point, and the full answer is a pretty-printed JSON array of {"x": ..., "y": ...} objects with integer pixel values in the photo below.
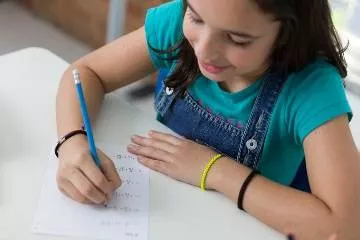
[{"x": 213, "y": 69}]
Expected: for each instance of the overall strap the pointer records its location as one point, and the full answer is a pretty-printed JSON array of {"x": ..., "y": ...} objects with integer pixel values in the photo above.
[{"x": 254, "y": 134}]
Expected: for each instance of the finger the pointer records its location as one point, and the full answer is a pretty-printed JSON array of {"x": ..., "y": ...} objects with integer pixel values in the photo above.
[
  {"x": 150, "y": 152},
  {"x": 155, "y": 165},
  {"x": 96, "y": 176},
  {"x": 165, "y": 137},
  {"x": 69, "y": 190},
  {"x": 110, "y": 172},
  {"x": 154, "y": 143},
  {"x": 85, "y": 187}
]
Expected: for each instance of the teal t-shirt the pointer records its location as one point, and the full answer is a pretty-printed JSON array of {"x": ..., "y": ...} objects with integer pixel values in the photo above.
[{"x": 308, "y": 99}]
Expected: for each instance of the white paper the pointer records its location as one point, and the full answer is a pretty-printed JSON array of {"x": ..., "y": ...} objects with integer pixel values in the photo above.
[{"x": 125, "y": 217}]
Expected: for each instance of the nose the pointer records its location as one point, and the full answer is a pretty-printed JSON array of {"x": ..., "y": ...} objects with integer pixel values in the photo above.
[{"x": 207, "y": 48}]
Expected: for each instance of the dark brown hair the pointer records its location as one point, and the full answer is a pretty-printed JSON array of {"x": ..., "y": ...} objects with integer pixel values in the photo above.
[{"x": 307, "y": 32}]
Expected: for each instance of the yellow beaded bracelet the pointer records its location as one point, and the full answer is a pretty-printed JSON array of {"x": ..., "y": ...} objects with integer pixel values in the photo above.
[{"x": 206, "y": 171}]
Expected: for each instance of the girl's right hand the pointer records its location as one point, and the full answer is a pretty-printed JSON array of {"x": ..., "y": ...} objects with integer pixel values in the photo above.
[{"x": 78, "y": 176}]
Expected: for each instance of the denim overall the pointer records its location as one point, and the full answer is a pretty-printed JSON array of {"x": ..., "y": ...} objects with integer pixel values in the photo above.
[{"x": 185, "y": 116}]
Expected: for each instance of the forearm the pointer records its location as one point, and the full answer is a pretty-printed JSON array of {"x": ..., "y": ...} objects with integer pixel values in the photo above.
[
  {"x": 68, "y": 114},
  {"x": 282, "y": 208}
]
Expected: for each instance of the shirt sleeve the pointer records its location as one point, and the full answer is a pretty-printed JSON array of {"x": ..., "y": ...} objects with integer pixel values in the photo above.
[
  {"x": 318, "y": 96},
  {"x": 163, "y": 29}
]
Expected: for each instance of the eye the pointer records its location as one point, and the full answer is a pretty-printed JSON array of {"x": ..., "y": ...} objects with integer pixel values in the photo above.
[
  {"x": 238, "y": 41},
  {"x": 193, "y": 18}
]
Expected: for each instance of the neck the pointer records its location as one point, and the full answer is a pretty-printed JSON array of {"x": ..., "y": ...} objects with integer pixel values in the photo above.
[{"x": 242, "y": 82}]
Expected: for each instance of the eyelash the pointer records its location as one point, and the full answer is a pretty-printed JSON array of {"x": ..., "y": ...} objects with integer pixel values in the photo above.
[
  {"x": 241, "y": 44},
  {"x": 194, "y": 20},
  {"x": 199, "y": 21}
]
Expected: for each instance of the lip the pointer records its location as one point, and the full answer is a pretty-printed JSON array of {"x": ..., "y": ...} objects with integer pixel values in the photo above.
[{"x": 213, "y": 68}]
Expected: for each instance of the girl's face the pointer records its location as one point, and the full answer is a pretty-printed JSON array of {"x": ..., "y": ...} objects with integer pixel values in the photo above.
[{"x": 232, "y": 39}]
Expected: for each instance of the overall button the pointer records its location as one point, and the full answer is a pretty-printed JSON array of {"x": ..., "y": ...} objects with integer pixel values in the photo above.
[
  {"x": 251, "y": 144},
  {"x": 169, "y": 91}
]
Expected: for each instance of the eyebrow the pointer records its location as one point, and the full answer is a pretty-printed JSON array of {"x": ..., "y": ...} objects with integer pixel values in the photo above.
[{"x": 239, "y": 34}]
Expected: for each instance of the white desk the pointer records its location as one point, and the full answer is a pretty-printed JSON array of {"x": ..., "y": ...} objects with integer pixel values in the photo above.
[{"x": 29, "y": 80}]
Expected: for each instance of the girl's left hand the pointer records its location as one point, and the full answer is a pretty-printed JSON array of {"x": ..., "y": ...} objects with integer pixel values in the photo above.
[{"x": 176, "y": 157}]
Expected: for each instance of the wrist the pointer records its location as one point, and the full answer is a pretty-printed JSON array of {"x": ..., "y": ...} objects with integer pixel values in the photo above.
[
  {"x": 227, "y": 177},
  {"x": 75, "y": 142},
  {"x": 217, "y": 174}
]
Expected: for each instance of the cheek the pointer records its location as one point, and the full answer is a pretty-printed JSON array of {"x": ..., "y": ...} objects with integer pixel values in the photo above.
[
  {"x": 241, "y": 59},
  {"x": 189, "y": 31},
  {"x": 247, "y": 59}
]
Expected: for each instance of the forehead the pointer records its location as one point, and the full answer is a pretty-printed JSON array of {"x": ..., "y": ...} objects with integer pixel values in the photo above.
[{"x": 231, "y": 14}]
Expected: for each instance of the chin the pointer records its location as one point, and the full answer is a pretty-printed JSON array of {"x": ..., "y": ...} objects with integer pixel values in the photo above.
[{"x": 214, "y": 77}]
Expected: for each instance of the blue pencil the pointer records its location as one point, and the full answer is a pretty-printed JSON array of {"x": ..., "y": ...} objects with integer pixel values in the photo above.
[{"x": 85, "y": 116}]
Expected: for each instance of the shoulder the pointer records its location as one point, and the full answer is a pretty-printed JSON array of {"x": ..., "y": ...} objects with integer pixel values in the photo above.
[
  {"x": 317, "y": 80},
  {"x": 163, "y": 24},
  {"x": 312, "y": 97},
  {"x": 163, "y": 29},
  {"x": 175, "y": 5},
  {"x": 315, "y": 75}
]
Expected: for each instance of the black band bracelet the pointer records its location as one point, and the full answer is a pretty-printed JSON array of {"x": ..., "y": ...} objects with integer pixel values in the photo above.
[
  {"x": 66, "y": 137},
  {"x": 244, "y": 187}
]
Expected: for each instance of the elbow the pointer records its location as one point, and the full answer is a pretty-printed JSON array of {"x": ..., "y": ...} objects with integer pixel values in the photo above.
[
  {"x": 329, "y": 224},
  {"x": 344, "y": 227},
  {"x": 341, "y": 218},
  {"x": 347, "y": 228}
]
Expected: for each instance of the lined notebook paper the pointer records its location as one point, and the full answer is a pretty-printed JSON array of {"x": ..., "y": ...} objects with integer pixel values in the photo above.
[{"x": 125, "y": 217}]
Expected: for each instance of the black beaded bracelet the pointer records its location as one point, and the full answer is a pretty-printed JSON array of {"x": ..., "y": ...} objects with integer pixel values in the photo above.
[
  {"x": 66, "y": 137},
  {"x": 244, "y": 187}
]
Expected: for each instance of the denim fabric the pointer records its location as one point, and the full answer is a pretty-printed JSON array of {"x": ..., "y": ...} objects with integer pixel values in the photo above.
[{"x": 185, "y": 116}]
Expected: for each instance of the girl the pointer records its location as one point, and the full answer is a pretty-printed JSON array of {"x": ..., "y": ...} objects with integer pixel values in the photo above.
[{"x": 255, "y": 90}]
